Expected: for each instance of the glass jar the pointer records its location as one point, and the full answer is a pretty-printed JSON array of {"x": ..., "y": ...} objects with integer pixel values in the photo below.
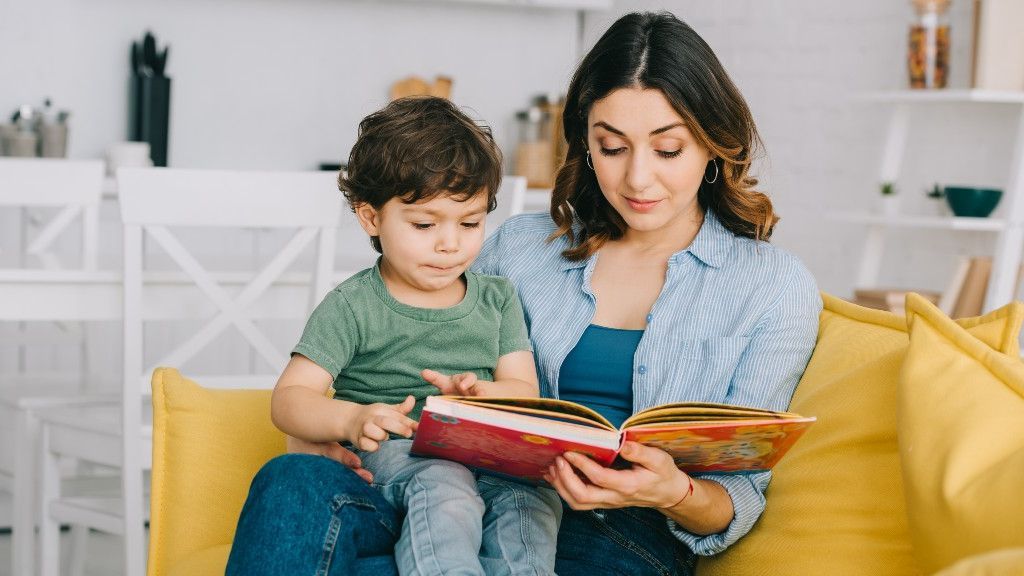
[
  {"x": 535, "y": 152},
  {"x": 928, "y": 48}
]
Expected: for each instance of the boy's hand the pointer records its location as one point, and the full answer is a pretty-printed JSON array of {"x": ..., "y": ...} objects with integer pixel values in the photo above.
[
  {"x": 371, "y": 424},
  {"x": 464, "y": 384}
]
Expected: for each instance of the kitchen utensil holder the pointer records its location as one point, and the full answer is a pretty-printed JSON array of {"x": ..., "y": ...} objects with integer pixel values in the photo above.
[{"x": 151, "y": 103}]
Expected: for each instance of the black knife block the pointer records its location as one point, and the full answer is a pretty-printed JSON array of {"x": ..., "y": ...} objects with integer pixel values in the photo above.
[{"x": 150, "y": 102}]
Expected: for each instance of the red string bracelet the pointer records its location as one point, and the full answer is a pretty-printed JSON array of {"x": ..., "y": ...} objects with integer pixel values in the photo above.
[{"x": 685, "y": 496}]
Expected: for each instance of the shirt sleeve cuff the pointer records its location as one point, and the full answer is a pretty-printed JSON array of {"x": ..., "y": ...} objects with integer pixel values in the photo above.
[
  {"x": 747, "y": 494},
  {"x": 523, "y": 345},
  {"x": 319, "y": 358}
]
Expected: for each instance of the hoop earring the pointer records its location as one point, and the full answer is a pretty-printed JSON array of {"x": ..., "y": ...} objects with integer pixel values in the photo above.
[
  {"x": 590, "y": 163},
  {"x": 715, "y": 179}
]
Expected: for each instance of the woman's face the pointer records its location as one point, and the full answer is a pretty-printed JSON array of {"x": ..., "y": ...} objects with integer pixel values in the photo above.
[{"x": 648, "y": 164}]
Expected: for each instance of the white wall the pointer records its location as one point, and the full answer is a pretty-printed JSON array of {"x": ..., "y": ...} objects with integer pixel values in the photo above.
[
  {"x": 275, "y": 83},
  {"x": 800, "y": 63}
]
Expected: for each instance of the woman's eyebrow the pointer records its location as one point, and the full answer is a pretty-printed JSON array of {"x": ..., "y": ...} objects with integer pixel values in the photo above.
[
  {"x": 608, "y": 127},
  {"x": 667, "y": 128},
  {"x": 614, "y": 130}
]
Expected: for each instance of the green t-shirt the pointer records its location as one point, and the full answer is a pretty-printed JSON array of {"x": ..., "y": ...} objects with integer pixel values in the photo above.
[{"x": 375, "y": 347}]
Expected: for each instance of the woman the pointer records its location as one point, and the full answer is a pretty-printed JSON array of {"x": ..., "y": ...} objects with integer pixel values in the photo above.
[{"x": 650, "y": 282}]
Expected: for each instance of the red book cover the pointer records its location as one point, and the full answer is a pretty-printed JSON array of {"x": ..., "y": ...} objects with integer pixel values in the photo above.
[{"x": 522, "y": 437}]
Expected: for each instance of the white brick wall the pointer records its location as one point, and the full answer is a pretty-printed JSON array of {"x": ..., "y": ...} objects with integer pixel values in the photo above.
[{"x": 799, "y": 63}]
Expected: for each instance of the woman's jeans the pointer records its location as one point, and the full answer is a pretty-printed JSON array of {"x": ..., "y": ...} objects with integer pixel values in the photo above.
[{"x": 309, "y": 515}]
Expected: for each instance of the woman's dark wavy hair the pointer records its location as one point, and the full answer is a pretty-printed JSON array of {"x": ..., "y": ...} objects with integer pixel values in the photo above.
[
  {"x": 659, "y": 51},
  {"x": 417, "y": 148}
]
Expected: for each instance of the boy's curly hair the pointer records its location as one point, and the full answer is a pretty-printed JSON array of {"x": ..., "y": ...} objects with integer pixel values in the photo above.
[{"x": 417, "y": 148}]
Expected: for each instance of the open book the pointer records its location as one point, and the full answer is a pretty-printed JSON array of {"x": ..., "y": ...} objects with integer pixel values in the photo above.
[{"x": 520, "y": 437}]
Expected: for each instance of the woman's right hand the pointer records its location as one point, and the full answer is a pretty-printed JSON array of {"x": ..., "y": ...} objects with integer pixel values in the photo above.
[{"x": 331, "y": 450}]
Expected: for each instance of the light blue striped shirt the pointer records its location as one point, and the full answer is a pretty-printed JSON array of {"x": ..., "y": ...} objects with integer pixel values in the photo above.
[{"x": 735, "y": 322}]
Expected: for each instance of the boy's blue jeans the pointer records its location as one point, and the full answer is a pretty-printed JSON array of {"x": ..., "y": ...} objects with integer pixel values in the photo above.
[
  {"x": 309, "y": 515},
  {"x": 457, "y": 522}
]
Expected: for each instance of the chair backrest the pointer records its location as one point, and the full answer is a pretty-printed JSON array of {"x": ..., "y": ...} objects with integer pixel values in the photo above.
[
  {"x": 74, "y": 187},
  {"x": 511, "y": 201},
  {"x": 41, "y": 200},
  {"x": 155, "y": 200}
]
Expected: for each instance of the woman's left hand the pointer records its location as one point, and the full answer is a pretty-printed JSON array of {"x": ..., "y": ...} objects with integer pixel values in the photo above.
[{"x": 652, "y": 482}]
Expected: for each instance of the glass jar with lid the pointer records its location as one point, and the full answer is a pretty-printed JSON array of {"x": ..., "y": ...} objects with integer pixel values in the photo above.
[{"x": 928, "y": 48}]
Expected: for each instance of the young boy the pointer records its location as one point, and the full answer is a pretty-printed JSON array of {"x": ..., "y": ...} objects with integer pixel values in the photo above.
[{"x": 421, "y": 179}]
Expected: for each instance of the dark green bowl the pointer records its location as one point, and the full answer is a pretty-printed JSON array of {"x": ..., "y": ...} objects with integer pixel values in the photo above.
[{"x": 972, "y": 202}]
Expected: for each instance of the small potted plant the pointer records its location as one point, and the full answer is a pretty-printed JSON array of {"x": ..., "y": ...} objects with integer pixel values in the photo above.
[{"x": 890, "y": 201}]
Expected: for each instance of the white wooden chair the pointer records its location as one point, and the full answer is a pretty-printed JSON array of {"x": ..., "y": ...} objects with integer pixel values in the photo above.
[
  {"x": 152, "y": 201},
  {"x": 35, "y": 286},
  {"x": 50, "y": 195},
  {"x": 73, "y": 186}
]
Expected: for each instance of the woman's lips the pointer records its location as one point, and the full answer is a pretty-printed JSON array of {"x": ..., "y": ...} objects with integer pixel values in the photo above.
[{"x": 642, "y": 205}]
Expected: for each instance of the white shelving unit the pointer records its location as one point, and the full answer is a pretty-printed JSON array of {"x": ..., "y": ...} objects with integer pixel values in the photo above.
[{"x": 1009, "y": 231}]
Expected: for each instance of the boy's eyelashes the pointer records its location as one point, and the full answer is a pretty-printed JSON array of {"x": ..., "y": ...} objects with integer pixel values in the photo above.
[{"x": 429, "y": 225}]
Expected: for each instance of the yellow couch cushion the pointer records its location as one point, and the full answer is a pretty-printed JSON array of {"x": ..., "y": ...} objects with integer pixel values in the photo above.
[
  {"x": 208, "y": 562},
  {"x": 1008, "y": 562},
  {"x": 961, "y": 438},
  {"x": 207, "y": 447},
  {"x": 836, "y": 504}
]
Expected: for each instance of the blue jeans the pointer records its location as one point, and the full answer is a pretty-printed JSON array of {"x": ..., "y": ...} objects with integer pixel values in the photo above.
[
  {"x": 456, "y": 522},
  {"x": 311, "y": 515},
  {"x": 619, "y": 542}
]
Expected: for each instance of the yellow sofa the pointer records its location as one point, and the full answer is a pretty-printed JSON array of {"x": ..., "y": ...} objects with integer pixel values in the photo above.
[{"x": 914, "y": 466}]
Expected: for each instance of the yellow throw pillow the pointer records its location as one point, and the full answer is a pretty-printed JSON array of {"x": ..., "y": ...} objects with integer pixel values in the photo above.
[
  {"x": 961, "y": 438},
  {"x": 207, "y": 447},
  {"x": 836, "y": 504}
]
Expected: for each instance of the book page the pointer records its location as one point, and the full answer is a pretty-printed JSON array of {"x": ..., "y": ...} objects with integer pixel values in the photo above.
[
  {"x": 730, "y": 446},
  {"x": 542, "y": 407},
  {"x": 701, "y": 411}
]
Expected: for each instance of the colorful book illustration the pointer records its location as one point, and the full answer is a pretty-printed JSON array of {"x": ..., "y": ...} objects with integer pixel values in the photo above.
[{"x": 520, "y": 437}]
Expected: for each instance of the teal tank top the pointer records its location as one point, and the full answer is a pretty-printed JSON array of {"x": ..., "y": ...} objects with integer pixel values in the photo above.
[{"x": 598, "y": 372}]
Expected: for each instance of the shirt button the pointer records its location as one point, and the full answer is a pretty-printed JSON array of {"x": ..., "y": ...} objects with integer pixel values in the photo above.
[
  {"x": 642, "y": 369},
  {"x": 650, "y": 317}
]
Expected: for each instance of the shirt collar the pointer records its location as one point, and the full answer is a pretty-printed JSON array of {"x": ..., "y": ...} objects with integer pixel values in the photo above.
[
  {"x": 713, "y": 242},
  {"x": 711, "y": 246}
]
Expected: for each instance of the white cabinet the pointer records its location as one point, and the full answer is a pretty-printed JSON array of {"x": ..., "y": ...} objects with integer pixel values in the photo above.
[{"x": 1009, "y": 230}]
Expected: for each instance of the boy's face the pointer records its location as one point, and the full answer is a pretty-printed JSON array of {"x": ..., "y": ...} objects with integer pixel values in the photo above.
[{"x": 427, "y": 245}]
